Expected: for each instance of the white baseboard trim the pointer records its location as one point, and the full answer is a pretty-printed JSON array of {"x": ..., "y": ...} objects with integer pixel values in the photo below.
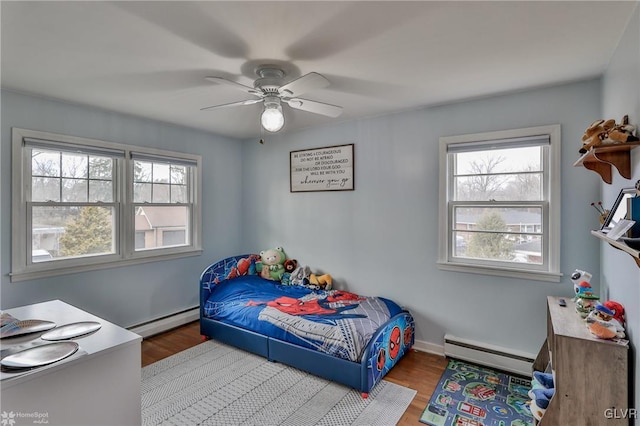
[
  {"x": 432, "y": 348},
  {"x": 166, "y": 323}
]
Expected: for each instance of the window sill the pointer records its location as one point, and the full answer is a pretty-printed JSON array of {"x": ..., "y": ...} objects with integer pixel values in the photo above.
[
  {"x": 501, "y": 272},
  {"x": 33, "y": 275}
]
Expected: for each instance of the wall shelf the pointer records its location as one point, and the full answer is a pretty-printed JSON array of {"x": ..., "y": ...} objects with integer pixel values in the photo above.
[
  {"x": 602, "y": 158},
  {"x": 619, "y": 245}
]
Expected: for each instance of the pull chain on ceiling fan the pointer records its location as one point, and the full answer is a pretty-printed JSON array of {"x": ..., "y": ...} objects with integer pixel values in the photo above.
[{"x": 268, "y": 90}]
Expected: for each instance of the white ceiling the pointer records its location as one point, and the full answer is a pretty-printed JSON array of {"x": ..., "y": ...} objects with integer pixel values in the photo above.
[{"x": 150, "y": 58}]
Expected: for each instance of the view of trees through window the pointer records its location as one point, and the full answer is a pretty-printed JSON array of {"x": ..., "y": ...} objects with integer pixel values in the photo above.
[
  {"x": 66, "y": 189},
  {"x": 73, "y": 204},
  {"x": 497, "y": 211}
]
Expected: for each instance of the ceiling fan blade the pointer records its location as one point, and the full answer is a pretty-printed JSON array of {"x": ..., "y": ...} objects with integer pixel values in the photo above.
[
  {"x": 239, "y": 103},
  {"x": 314, "y": 106},
  {"x": 246, "y": 89},
  {"x": 301, "y": 85}
]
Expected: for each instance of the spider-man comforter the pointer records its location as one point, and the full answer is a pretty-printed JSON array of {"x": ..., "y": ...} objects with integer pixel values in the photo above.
[{"x": 335, "y": 322}]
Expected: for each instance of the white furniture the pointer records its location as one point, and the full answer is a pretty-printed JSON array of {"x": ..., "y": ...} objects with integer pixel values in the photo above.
[{"x": 100, "y": 386}]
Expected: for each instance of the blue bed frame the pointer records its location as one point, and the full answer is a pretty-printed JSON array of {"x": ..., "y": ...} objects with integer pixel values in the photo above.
[{"x": 363, "y": 376}]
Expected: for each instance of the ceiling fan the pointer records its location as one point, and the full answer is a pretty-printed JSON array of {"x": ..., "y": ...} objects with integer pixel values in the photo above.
[{"x": 268, "y": 89}]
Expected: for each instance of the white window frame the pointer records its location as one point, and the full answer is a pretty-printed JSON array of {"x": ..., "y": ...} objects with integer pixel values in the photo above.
[
  {"x": 124, "y": 233},
  {"x": 550, "y": 270}
]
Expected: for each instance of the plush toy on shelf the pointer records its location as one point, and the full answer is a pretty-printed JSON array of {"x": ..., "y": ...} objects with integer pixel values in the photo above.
[
  {"x": 595, "y": 134},
  {"x": 607, "y": 132},
  {"x": 271, "y": 264},
  {"x": 623, "y": 132}
]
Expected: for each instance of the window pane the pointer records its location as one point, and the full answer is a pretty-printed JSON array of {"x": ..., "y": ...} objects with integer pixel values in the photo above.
[
  {"x": 161, "y": 226},
  {"x": 178, "y": 175},
  {"x": 161, "y": 172},
  {"x": 160, "y": 193},
  {"x": 100, "y": 190},
  {"x": 74, "y": 165},
  {"x": 142, "y": 192},
  {"x": 499, "y": 246},
  {"x": 45, "y": 163},
  {"x": 72, "y": 231},
  {"x": 524, "y": 219},
  {"x": 100, "y": 168},
  {"x": 141, "y": 171},
  {"x": 74, "y": 190},
  {"x": 179, "y": 194},
  {"x": 499, "y": 161},
  {"x": 45, "y": 189},
  {"x": 501, "y": 187}
]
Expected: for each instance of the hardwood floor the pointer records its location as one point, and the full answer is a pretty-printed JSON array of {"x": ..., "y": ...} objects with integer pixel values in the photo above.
[{"x": 416, "y": 370}]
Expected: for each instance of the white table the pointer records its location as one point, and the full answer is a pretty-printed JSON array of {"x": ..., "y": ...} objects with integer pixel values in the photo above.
[{"x": 99, "y": 387}]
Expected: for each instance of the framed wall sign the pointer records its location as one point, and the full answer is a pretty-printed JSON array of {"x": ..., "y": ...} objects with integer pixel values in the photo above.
[{"x": 322, "y": 169}]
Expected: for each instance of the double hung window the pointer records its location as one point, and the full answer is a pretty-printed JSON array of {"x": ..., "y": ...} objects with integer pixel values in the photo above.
[
  {"x": 500, "y": 203},
  {"x": 81, "y": 204}
]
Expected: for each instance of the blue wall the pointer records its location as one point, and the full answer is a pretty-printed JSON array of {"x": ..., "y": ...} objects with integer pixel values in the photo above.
[
  {"x": 620, "y": 96},
  {"x": 133, "y": 294},
  {"x": 382, "y": 238}
]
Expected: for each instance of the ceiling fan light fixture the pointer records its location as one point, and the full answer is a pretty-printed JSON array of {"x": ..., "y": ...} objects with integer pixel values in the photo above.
[{"x": 272, "y": 118}]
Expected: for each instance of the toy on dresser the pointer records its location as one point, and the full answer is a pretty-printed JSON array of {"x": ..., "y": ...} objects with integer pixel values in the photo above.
[
  {"x": 603, "y": 323},
  {"x": 585, "y": 298},
  {"x": 581, "y": 283}
]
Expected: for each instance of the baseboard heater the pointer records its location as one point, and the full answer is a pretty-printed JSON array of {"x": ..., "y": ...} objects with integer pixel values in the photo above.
[
  {"x": 166, "y": 323},
  {"x": 488, "y": 355}
]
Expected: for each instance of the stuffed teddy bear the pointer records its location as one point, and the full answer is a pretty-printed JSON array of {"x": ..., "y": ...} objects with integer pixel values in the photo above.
[
  {"x": 289, "y": 266},
  {"x": 271, "y": 264}
]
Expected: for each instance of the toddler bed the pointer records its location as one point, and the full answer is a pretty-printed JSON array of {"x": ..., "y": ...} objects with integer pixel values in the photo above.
[{"x": 341, "y": 336}]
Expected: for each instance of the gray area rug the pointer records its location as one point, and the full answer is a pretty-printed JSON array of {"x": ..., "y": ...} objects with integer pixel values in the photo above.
[{"x": 215, "y": 384}]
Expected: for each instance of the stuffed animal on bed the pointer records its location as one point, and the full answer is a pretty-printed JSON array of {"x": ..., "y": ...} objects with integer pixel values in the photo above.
[
  {"x": 322, "y": 282},
  {"x": 271, "y": 264},
  {"x": 289, "y": 266}
]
